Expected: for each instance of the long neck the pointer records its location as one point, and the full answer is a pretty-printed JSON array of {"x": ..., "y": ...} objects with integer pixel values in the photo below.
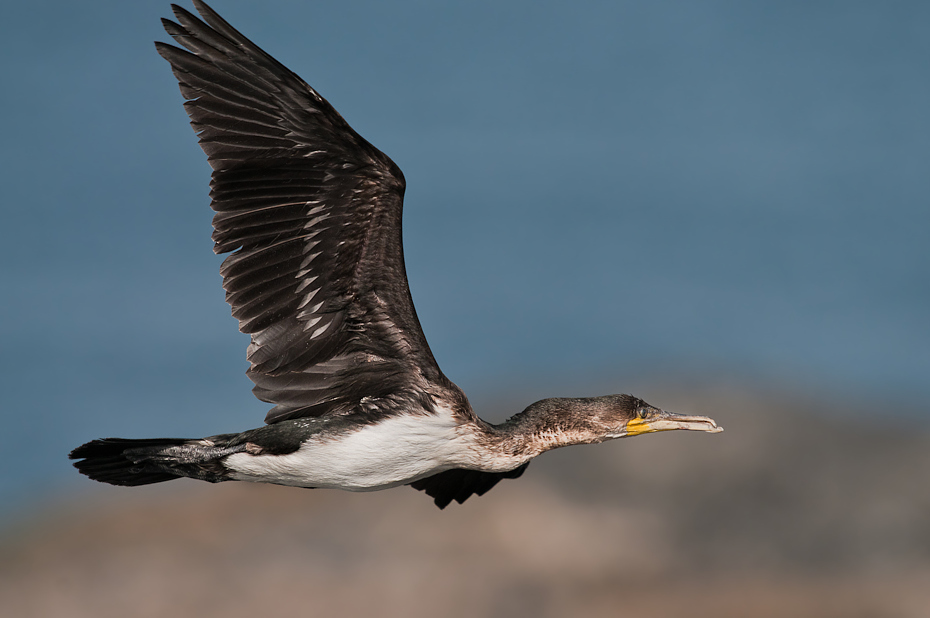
[{"x": 541, "y": 427}]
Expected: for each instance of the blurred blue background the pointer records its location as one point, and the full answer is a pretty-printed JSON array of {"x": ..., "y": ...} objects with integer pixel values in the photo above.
[{"x": 608, "y": 192}]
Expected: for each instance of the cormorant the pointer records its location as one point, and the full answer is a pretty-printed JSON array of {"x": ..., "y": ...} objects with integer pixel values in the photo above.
[{"x": 312, "y": 215}]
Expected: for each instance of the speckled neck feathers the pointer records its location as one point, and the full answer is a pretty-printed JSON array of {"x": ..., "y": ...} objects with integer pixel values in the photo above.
[{"x": 552, "y": 423}]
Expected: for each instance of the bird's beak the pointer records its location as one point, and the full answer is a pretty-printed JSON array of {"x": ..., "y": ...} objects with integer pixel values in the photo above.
[{"x": 667, "y": 421}]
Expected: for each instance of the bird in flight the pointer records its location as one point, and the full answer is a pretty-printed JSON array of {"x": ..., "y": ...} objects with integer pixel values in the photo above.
[{"x": 310, "y": 213}]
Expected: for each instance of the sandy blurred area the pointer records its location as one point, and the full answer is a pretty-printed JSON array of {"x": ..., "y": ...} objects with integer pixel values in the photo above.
[{"x": 787, "y": 513}]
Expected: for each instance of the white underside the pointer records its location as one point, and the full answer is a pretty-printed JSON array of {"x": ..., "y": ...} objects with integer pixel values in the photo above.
[{"x": 393, "y": 452}]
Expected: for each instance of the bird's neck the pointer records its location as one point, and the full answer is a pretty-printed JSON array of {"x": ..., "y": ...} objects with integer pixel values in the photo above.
[{"x": 534, "y": 431}]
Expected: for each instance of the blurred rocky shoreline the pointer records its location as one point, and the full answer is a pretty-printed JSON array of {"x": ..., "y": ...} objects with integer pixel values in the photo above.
[{"x": 795, "y": 510}]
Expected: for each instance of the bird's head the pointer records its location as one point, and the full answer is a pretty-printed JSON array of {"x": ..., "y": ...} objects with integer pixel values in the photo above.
[
  {"x": 563, "y": 421},
  {"x": 624, "y": 416}
]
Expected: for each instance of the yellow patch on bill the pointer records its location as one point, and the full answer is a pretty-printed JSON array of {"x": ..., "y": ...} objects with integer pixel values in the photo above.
[{"x": 636, "y": 426}]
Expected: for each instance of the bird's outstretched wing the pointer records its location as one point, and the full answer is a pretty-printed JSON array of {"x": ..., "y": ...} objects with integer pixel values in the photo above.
[{"x": 312, "y": 215}]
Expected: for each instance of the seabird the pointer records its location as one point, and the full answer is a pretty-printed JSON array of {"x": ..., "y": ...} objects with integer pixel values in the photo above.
[{"x": 311, "y": 214}]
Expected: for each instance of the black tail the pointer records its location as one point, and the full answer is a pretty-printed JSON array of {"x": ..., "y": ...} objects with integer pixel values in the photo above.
[{"x": 119, "y": 461}]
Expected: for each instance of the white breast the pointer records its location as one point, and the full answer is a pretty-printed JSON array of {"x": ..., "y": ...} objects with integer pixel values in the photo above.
[{"x": 392, "y": 452}]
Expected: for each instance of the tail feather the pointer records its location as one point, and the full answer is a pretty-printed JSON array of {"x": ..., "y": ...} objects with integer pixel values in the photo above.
[{"x": 121, "y": 461}]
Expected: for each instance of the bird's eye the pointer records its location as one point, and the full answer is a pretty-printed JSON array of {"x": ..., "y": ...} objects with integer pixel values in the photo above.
[{"x": 641, "y": 413}]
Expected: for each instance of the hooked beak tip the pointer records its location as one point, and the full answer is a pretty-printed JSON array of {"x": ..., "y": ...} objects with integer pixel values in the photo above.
[{"x": 701, "y": 423}]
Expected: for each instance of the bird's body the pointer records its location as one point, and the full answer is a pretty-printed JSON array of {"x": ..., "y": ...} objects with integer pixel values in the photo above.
[
  {"x": 312, "y": 215},
  {"x": 370, "y": 456}
]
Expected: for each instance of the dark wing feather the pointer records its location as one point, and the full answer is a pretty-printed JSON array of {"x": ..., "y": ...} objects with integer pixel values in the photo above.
[
  {"x": 459, "y": 484},
  {"x": 312, "y": 214}
]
